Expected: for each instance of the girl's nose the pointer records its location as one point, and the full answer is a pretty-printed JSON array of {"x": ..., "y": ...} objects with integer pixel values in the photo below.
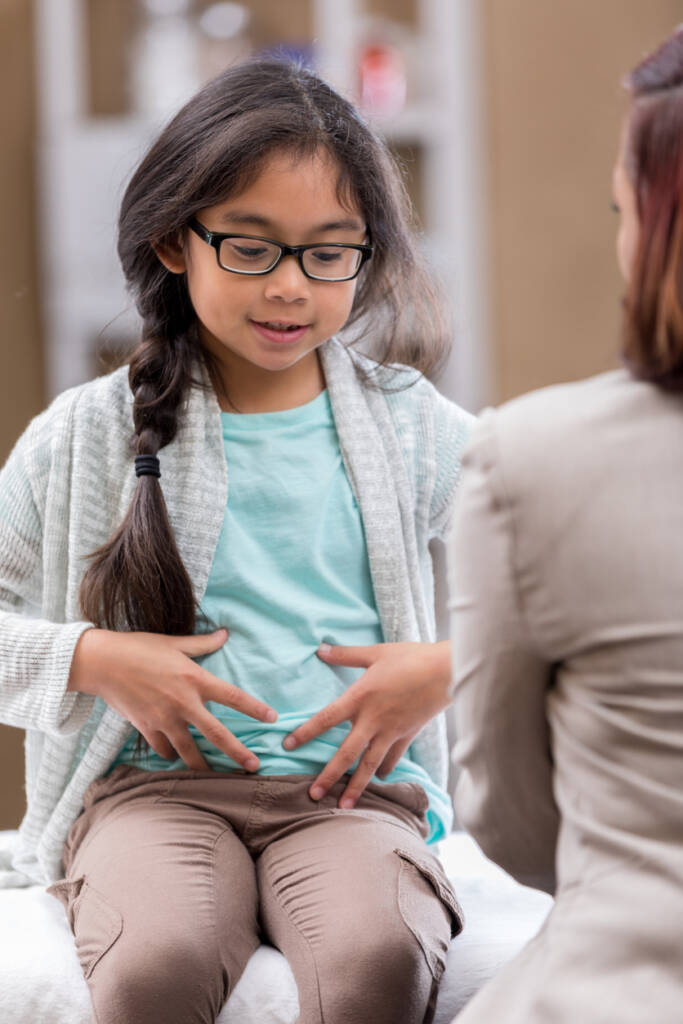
[{"x": 287, "y": 282}]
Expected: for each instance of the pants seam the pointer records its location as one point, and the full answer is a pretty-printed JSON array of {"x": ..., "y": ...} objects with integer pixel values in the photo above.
[
  {"x": 255, "y": 809},
  {"x": 308, "y": 945},
  {"x": 214, "y": 922},
  {"x": 214, "y": 874}
]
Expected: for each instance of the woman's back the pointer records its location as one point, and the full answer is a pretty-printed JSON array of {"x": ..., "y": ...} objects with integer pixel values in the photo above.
[
  {"x": 594, "y": 477},
  {"x": 581, "y": 488}
]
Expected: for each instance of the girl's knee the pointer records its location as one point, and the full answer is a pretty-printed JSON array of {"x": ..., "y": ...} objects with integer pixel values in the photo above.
[
  {"x": 158, "y": 986},
  {"x": 383, "y": 978},
  {"x": 395, "y": 960}
]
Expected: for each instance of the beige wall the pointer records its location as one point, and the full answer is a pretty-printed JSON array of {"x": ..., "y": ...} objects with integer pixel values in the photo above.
[
  {"x": 21, "y": 370},
  {"x": 21, "y": 363},
  {"x": 554, "y": 103}
]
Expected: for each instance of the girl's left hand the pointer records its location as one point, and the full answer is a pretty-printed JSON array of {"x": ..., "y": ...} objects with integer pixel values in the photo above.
[{"x": 404, "y": 686}]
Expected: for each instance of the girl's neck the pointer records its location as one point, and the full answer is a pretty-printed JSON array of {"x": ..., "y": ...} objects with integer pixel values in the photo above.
[{"x": 251, "y": 389}]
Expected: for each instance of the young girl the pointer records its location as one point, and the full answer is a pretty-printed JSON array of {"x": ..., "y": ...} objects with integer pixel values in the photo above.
[{"x": 246, "y": 469}]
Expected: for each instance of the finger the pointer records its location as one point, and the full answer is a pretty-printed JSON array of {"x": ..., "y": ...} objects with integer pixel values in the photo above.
[
  {"x": 347, "y": 755},
  {"x": 159, "y": 743},
  {"x": 340, "y": 710},
  {"x": 188, "y": 750},
  {"x": 369, "y": 763},
  {"x": 355, "y": 657},
  {"x": 217, "y": 734},
  {"x": 393, "y": 756},
  {"x": 231, "y": 696},
  {"x": 200, "y": 643}
]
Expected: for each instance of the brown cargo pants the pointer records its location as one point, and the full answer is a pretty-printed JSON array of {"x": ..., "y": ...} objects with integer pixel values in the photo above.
[{"x": 172, "y": 880}]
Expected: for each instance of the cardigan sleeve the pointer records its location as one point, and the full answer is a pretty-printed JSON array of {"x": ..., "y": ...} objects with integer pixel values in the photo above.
[
  {"x": 504, "y": 793},
  {"x": 35, "y": 653}
]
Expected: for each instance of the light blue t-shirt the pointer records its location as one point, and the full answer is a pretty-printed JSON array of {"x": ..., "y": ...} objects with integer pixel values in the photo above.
[{"x": 290, "y": 572}]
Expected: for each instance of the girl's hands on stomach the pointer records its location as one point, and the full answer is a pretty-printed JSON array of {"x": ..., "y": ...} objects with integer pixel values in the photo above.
[
  {"x": 151, "y": 680},
  {"x": 403, "y": 687}
]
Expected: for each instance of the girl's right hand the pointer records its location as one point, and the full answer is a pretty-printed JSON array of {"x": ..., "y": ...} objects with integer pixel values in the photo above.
[{"x": 151, "y": 680}]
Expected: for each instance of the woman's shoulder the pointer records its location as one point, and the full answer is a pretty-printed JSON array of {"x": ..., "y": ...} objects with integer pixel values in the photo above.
[
  {"x": 570, "y": 397},
  {"x": 571, "y": 429},
  {"x": 563, "y": 411}
]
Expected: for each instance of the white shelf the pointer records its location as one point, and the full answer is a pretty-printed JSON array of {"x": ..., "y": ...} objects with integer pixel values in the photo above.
[{"x": 419, "y": 124}]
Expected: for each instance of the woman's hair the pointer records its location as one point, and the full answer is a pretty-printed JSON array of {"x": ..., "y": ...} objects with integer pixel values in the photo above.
[
  {"x": 653, "y": 159},
  {"x": 211, "y": 149}
]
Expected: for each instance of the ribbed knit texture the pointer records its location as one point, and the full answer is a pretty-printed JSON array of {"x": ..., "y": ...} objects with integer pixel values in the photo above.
[{"x": 66, "y": 487}]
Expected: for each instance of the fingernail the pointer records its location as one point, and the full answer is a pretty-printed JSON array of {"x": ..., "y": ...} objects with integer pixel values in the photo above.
[
  {"x": 271, "y": 716},
  {"x": 347, "y": 803},
  {"x": 289, "y": 743},
  {"x": 316, "y": 793},
  {"x": 251, "y": 764},
  {"x": 324, "y": 649}
]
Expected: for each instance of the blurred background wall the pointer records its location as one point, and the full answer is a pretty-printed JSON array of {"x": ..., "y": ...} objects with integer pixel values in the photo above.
[
  {"x": 22, "y": 383},
  {"x": 504, "y": 113}
]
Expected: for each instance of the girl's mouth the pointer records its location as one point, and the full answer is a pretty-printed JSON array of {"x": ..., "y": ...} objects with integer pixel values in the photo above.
[{"x": 279, "y": 331}]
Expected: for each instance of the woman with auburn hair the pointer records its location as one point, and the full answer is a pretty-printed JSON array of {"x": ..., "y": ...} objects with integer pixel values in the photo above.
[{"x": 566, "y": 606}]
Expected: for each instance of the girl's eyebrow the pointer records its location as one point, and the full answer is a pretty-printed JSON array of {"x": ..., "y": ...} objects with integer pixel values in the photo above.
[{"x": 242, "y": 217}]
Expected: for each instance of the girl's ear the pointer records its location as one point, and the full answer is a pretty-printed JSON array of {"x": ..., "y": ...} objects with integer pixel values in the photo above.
[{"x": 172, "y": 254}]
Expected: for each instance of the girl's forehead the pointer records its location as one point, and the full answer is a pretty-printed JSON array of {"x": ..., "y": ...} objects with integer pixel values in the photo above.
[{"x": 290, "y": 190}]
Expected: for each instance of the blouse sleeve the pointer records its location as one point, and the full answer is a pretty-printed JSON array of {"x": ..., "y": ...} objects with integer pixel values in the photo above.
[
  {"x": 504, "y": 791},
  {"x": 35, "y": 653}
]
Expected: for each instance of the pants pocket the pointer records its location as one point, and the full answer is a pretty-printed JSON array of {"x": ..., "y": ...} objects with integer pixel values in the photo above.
[
  {"x": 420, "y": 878},
  {"x": 95, "y": 924}
]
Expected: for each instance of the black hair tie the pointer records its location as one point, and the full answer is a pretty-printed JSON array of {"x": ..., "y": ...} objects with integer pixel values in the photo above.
[{"x": 147, "y": 465}]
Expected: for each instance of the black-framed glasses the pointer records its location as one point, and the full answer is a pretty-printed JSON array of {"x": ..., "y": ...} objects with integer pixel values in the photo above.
[{"x": 253, "y": 255}]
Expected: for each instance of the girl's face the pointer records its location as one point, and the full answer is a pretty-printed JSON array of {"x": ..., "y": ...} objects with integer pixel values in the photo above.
[
  {"x": 293, "y": 201},
  {"x": 629, "y": 225}
]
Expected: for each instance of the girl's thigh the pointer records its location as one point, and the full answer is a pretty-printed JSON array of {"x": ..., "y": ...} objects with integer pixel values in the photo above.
[
  {"x": 364, "y": 913},
  {"x": 162, "y": 901}
]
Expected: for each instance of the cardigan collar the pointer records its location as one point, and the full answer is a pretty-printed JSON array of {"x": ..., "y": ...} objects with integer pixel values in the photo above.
[
  {"x": 378, "y": 486},
  {"x": 197, "y": 457}
]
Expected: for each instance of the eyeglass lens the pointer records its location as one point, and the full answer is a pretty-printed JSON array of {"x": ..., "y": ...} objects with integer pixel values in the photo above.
[{"x": 326, "y": 261}]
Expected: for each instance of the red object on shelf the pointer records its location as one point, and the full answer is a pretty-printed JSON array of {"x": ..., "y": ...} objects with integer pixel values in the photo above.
[{"x": 382, "y": 79}]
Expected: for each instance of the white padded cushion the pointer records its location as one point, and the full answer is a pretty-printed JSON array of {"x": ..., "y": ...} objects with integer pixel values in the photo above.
[{"x": 41, "y": 979}]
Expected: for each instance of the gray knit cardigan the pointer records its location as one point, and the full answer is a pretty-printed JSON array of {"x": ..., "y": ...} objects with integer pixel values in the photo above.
[{"x": 66, "y": 487}]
